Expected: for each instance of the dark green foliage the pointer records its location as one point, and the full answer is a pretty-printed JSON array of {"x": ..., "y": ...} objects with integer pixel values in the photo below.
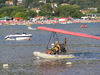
[
  {"x": 73, "y": 9},
  {"x": 2, "y": 5},
  {"x": 17, "y": 11},
  {"x": 15, "y": 2},
  {"x": 2, "y": 1},
  {"x": 26, "y": 3},
  {"x": 98, "y": 9},
  {"x": 31, "y": 13},
  {"x": 69, "y": 10},
  {"x": 21, "y": 15},
  {"x": 46, "y": 10},
  {"x": 83, "y": 4}
]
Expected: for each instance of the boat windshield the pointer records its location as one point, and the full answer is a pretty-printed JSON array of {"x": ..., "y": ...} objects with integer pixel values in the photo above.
[
  {"x": 20, "y": 33},
  {"x": 24, "y": 33}
]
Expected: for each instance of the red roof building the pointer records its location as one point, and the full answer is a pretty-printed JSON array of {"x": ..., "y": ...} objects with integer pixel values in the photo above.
[
  {"x": 9, "y": 2},
  {"x": 84, "y": 11},
  {"x": 19, "y": 3}
]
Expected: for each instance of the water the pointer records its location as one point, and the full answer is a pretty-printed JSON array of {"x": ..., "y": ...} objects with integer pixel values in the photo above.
[{"x": 19, "y": 54}]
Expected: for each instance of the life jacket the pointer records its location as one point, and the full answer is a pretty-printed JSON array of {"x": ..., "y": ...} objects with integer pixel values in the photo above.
[{"x": 56, "y": 47}]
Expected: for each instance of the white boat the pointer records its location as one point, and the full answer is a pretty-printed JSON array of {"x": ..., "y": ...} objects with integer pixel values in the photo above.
[
  {"x": 30, "y": 28},
  {"x": 18, "y": 36},
  {"x": 51, "y": 56}
]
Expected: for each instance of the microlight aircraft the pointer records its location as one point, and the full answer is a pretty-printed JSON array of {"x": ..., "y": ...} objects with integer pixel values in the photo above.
[{"x": 60, "y": 56}]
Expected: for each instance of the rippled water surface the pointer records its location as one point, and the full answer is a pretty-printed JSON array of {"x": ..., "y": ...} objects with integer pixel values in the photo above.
[{"x": 21, "y": 61}]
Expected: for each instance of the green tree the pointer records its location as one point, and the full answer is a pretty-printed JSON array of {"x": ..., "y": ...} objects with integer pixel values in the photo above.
[
  {"x": 6, "y": 9},
  {"x": 47, "y": 8},
  {"x": 20, "y": 9},
  {"x": 21, "y": 15},
  {"x": 31, "y": 13},
  {"x": 92, "y": 11},
  {"x": 27, "y": 2},
  {"x": 15, "y": 2},
  {"x": 4, "y": 14},
  {"x": 69, "y": 10},
  {"x": 2, "y": 1},
  {"x": 98, "y": 9},
  {"x": 13, "y": 14},
  {"x": 0, "y": 16},
  {"x": 42, "y": 13},
  {"x": 14, "y": 8},
  {"x": 2, "y": 5},
  {"x": 35, "y": 4}
]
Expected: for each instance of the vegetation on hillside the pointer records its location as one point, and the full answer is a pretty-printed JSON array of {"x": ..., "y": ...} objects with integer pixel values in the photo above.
[
  {"x": 83, "y": 4},
  {"x": 17, "y": 11},
  {"x": 72, "y": 9}
]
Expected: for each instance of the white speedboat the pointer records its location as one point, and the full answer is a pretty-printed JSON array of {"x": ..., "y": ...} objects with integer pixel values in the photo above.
[
  {"x": 18, "y": 36},
  {"x": 30, "y": 28}
]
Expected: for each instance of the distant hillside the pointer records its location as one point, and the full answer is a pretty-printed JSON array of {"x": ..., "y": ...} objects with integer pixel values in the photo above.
[{"x": 83, "y": 4}]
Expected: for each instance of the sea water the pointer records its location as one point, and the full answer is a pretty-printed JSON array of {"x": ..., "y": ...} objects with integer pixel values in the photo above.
[{"x": 21, "y": 61}]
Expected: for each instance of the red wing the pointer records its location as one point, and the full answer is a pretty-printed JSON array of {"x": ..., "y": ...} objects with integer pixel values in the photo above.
[{"x": 67, "y": 32}]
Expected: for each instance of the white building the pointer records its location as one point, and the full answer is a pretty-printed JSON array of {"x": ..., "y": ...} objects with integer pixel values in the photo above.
[
  {"x": 9, "y": 2},
  {"x": 19, "y": 0},
  {"x": 54, "y": 5}
]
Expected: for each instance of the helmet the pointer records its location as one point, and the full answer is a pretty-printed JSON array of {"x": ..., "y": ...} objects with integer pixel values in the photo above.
[{"x": 52, "y": 45}]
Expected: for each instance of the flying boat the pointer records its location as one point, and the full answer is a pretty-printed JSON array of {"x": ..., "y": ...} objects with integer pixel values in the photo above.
[{"x": 63, "y": 53}]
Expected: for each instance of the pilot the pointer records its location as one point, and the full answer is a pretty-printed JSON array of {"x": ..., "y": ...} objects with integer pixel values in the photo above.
[{"x": 57, "y": 47}]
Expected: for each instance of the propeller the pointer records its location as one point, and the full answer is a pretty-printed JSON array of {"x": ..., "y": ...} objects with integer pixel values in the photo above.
[{"x": 66, "y": 45}]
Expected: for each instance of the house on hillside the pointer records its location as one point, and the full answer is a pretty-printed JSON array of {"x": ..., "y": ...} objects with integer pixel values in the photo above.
[
  {"x": 84, "y": 11},
  {"x": 36, "y": 9},
  {"x": 18, "y": 3},
  {"x": 19, "y": 0},
  {"x": 9, "y": 2},
  {"x": 41, "y": 1},
  {"x": 54, "y": 5},
  {"x": 92, "y": 8}
]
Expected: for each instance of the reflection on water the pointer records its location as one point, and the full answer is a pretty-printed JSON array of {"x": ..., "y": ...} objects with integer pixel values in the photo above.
[
  {"x": 59, "y": 67},
  {"x": 51, "y": 67},
  {"x": 21, "y": 61}
]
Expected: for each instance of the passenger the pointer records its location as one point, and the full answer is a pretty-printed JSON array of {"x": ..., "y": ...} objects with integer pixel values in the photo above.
[
  {"x": 57, "y": 47},
  {"x": 49, "y": 52},
  {"x": 52, "y": 50}
]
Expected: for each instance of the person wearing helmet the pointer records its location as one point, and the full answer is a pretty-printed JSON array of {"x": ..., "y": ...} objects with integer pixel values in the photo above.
[
  {"x": 52, "y": 50},
  {"x": 57, "y": 47}
]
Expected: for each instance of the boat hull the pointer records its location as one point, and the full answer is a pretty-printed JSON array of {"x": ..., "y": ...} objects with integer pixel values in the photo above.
[
  {"x": 49, "y": 56},
  {"x": 18, "y": 37}
]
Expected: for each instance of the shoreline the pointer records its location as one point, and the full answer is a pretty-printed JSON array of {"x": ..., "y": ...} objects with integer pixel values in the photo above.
[{"x": 28, "y": 23}]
